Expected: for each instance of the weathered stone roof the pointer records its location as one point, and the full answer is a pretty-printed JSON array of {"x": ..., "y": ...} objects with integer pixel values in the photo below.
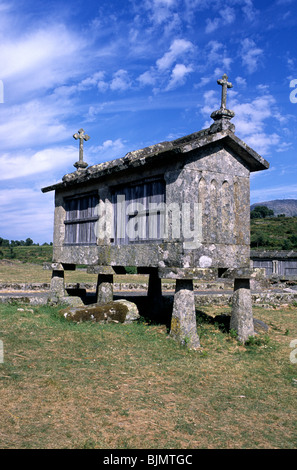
[
  {"x": 152, "y": 154},
  {"x": 273, "y": 254}
]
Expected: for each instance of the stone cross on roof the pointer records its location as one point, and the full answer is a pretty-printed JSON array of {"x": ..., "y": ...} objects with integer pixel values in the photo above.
[
  {"x": 81, "y": 136},
  {"x": 225, "y": 84},
  {"x": 223, "y": 115}
]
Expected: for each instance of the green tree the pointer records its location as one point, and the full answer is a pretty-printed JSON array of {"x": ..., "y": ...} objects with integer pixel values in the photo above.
[
  {"x": 293, "y": 240},
  {"x": 29, "y": 242},
  {"x": 131, "y": 269},
  {"x": 4, "y": 242},
  {"x": 12, "y": 254},
  {"x": 261, "y": 212},
  {"x": 259, "y": 239},
  {"x": 287, "y": 245}
]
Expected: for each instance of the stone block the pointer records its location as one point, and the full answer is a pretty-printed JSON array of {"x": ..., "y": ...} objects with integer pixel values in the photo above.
[
  {"x": 242, "y": 314},
  {"x": 100, "y": 270},
  {"x": 207, "y": 274},
  {"x": 183, "y": 322},
  {"x": 104, "y": 291},
  {"x": 58, "y": 284},
  {"x": 119, "y": 311}
]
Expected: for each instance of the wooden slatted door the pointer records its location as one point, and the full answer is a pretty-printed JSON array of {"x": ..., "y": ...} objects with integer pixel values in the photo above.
[
  {"x": 139, "y": 212},
  {"x": 80, "y": 219}
]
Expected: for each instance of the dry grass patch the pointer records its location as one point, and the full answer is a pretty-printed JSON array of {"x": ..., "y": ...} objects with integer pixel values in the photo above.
[
  {"x": 66, "y": 385},
  {"x": 16, "y": 271}
]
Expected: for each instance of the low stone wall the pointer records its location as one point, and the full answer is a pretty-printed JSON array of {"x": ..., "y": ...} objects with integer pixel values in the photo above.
[
  {"x": 267, "y": 299},
  {"x": 24, "y": 299},
  {"x": 118, "y": 286},
  {"x": 261, "y": 299},
  {"x": 24, "y": 286}
]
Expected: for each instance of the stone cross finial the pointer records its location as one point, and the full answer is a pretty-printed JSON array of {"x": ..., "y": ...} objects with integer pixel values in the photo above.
[
  {"x": 81, "y": 136},
  {"x": 225, "y": 84},
  {"x": 223, "y": 115}
]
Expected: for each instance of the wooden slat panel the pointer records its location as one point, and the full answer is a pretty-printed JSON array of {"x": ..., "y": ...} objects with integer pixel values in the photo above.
[
  {"x": 80, "y": 220},
  {"x": 139, "y": 223}
]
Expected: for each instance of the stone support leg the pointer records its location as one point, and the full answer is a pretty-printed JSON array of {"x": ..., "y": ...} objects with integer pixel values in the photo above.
[
  {"x": 242, "y": 314},
  {"x": 154, "y": 292},
  {"x": 183, "y": 322},
  {"x": 104, "y": 293},
  {"x": 58, "y": 283}
]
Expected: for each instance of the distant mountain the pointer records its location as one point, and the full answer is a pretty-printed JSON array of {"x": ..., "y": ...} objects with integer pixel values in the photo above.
[{"x": 280, "y": 206}]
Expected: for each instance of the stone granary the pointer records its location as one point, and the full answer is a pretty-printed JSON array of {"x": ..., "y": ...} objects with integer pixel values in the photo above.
[
  {"x": 175, "y": 210},
  {"x": 278, "y": 265}
]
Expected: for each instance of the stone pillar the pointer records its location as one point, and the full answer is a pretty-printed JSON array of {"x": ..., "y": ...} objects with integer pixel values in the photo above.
[
  {"x": 154, "y": 292},
  {"x": 183, "y": 322},
  {"x": 58, "y": 283},
  {"x": 242, "y": 314},
  {"x": 104, "y": 293}
]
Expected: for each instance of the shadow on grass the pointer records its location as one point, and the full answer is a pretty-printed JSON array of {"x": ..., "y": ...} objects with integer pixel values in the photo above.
[
  {"x": 222, "y": 321},
  {"x": 149, "y": 312}
]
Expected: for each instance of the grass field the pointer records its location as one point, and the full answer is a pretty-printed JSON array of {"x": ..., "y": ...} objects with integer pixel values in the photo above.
[
  {"x": 274, "y": 233},
  {"x": 28, "y": 254},
  {"x": 29, "y": 272},
  {"x": 13, "y": 271},
  {"x": 86, "y": 385}
]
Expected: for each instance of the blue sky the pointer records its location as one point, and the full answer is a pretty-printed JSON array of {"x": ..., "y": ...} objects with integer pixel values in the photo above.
[{"x": 133, "y": 73}]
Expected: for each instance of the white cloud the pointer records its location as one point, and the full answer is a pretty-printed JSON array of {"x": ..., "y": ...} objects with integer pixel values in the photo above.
[
  {"x": 113, "y": 145},
  {"x": 34, "y": 123},
  {"x": 147, "y": 78},
  {"x": 217, "y": 56},
  {"x": 212, "y": 25},
  {"x": 102, "y": 86},
  {"x": 249, "y": 10},
  {"x": 160, "y": 10},
  {"x": 40, "y": 60},
  {"x": 284, "y": 146},
  {"x": 262, "y": 142},
  {"x": 27, "y": 164},
  {"x": 250, "y": 120},
  {"x": 227, "y": 17},
  {"x": 120, "y": 81},
  {"x": 159, "y": 74},
  {"x": 210, "y": 104},
  {"x": 251, "y": 55},
  {"x": 178, "y": 75},
  {"x": 177, "y": 49},
  {"x": 91, "y": 81},
  {"x": 250, "y": 117},
  {"x": 240, "y": 81},
  {"x": 26, "y": 212},
  {"x": 95, "y": 80},
  {"x": 275, "y": 192},
  {"x": 108, "y": 150}
]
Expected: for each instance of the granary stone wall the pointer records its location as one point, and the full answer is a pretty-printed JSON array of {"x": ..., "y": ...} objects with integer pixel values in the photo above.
[
  {"x": 280, "y": 265},
  {"x": 212, "y": 177},
  {"x": 209, "y": 169}
]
